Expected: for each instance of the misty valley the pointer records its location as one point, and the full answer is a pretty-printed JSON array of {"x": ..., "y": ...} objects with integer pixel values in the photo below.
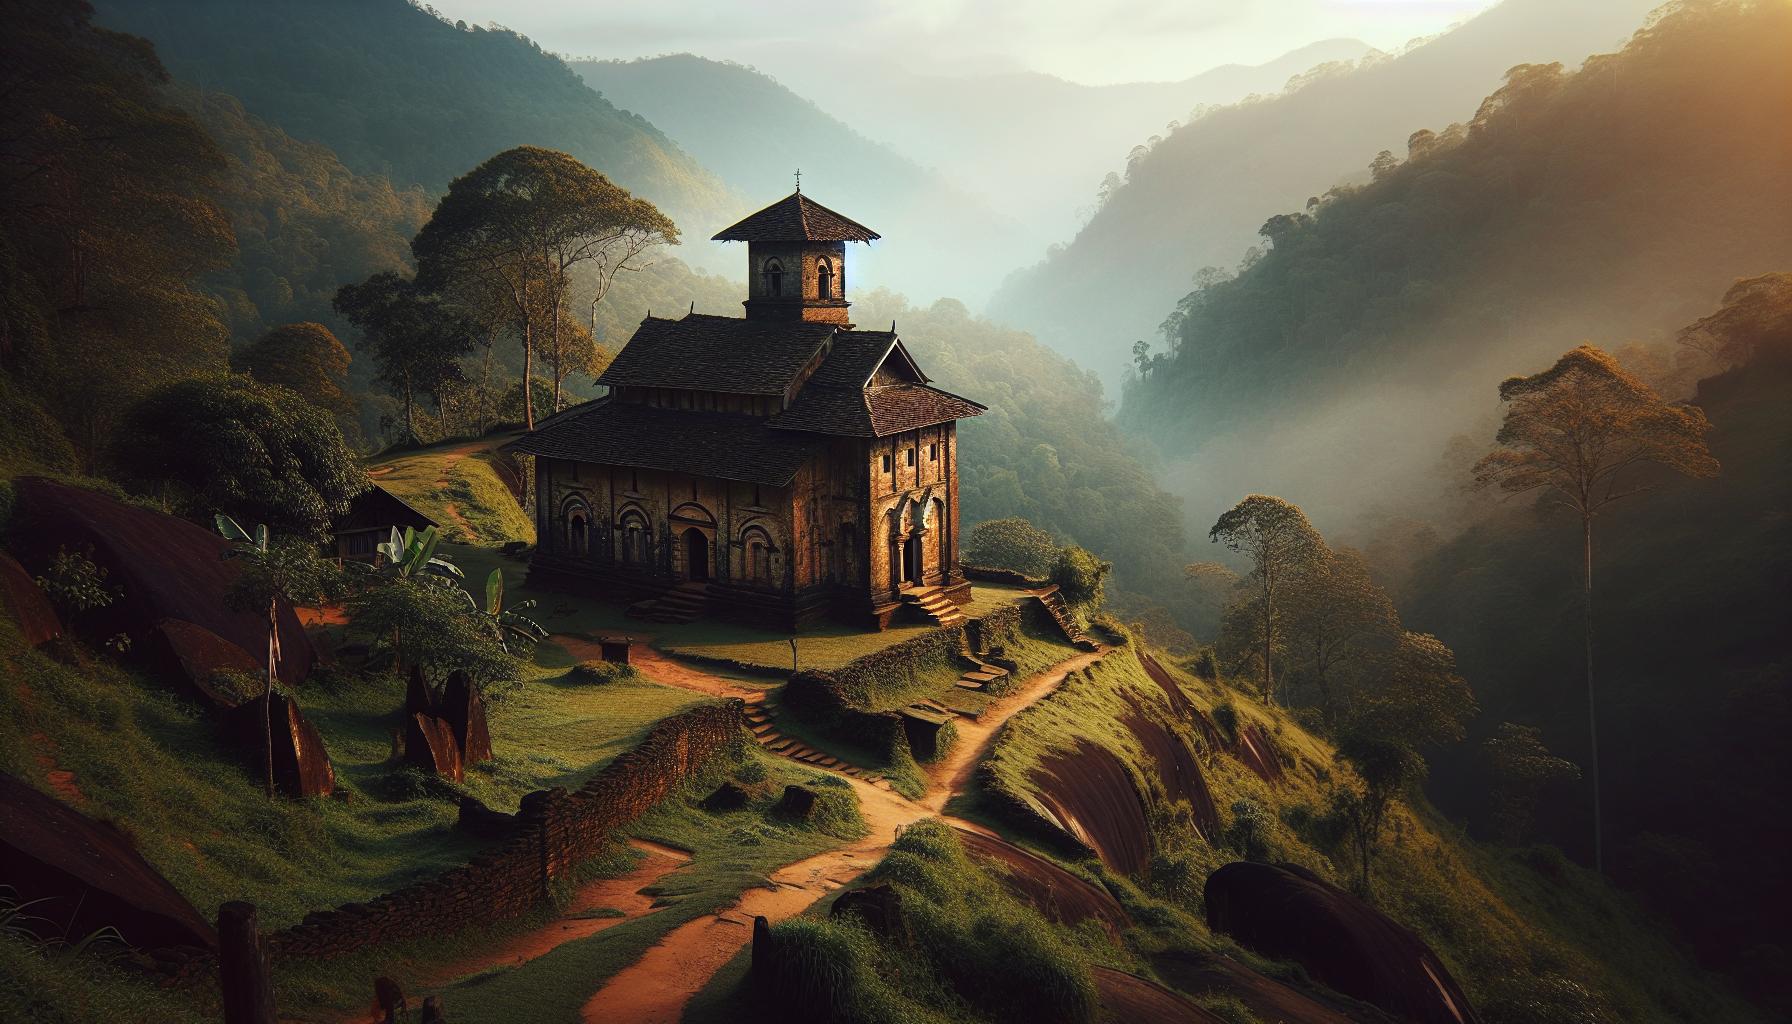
[{"x": 1200, "y": 514}]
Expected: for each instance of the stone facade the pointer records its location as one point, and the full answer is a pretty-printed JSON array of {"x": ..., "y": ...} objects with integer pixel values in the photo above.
[{"x": 777, "y": 468}]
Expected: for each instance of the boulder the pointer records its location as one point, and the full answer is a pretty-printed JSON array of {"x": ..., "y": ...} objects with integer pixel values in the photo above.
[
  {"x": 1287, "y": 913},
  {"x": 28, "y": 605},
  {"x": 301, "y": 763},
  {"x": 419, "y": 697},
  {"x": 195, "y": 655},
  {"x": 482, "y": 822},
  {"x": 797, "y": 803},
  {"x": 429, "y": 746},
  {"x": 89, "y": 875},
  {"x": 879, "y": 907},
  {"x": 165, "y": 567},
  {"x": 727, "y": 797},
  {"x": 465, "y": 712}
]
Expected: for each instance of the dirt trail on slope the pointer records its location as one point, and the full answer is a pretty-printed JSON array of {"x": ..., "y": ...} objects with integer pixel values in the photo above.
[
  {"x": 657, "y": 667},
  {"x": 655, "y": 988}
]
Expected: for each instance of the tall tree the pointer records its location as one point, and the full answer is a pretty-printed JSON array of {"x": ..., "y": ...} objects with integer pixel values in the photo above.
[
  {"x": 1281, "y": 544},
  {"x": 520, "y": 222},
  {"x": 1520, "y": 766},
  {"x": 1756, "y": 314},
  {"x": 1337, "y": 617},
  {"x": 1416, "y": 696},
  {"x": 1573, "y": 431},
  {"x": 416, "y": 340}
]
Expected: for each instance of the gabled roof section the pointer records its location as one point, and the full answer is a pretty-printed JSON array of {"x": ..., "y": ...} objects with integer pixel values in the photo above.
[
  {"x": 797, "y": 218},
  {"x": 718, "y": 353},
  {"x": 843, "y": 397}
]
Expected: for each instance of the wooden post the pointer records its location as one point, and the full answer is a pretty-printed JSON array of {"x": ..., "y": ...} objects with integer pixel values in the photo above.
[{"x": 243, "y": 966}]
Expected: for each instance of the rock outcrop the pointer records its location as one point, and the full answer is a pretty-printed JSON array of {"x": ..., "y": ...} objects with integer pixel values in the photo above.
[
  {"x": 1287, "y": 913},
  {"x": 28, "y": 605},
  {"x": 89, "y": 876}
]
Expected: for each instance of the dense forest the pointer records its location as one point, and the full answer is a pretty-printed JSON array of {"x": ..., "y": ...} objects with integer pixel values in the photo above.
[
  {"x": 1196, "y": 197},
  {"x": 395, "y": 91},
  {"x": 1494, "y": 244}
]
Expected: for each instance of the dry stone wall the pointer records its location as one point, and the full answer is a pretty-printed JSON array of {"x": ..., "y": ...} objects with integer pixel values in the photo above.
[{"x": 556, "y": 831}]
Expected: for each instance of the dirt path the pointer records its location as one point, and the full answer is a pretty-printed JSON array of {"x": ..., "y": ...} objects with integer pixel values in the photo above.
[
  {"x": 655, "y": 988},
  {"x": 661, "y": 669}
]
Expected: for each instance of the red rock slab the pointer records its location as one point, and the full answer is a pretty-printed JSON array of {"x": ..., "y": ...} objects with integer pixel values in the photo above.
[
  {"x": 195, "y": 655},
  {"x": 1058, "y": 894},
  {"x": 1090, "y": 795},
  {"x": 89, "y": 875},
  {"x": 1130, "y": 998},
  {"x": 429, "y": 746},
  {"x": 29, "y": 606},
  {"x": 1267, "y": 998}
]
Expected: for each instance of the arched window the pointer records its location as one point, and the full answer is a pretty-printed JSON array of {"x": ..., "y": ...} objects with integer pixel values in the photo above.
[
  {"x": 758, "y": 564},
  {"x": 637, "y": 539},
  {"x": 774, "y": 278},
  {"x": 824, "y": 280},
  {"x": 578, "y": 526}
]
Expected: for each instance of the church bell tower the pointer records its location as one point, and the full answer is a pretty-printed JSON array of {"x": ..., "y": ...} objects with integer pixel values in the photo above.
[{"x": 796, "y": 260}]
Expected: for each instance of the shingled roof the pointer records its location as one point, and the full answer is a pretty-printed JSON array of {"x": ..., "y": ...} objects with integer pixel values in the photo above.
[
  {"x": 797, "y": 218},
  {"x": 725, "y": 445},
  {"x": 717, "y": 353},
  {"x": 838, "y": 400}
]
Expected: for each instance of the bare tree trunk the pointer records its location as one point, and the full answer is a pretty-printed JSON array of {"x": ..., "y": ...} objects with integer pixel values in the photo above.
[
  {"x": 1269, "y": 632},
  {"x": 528, "y": 369},
  {"x": 558, "y": 376},
  {"x": 1586, "y": 533},
  {"x": 410, "y": 424},
  {"x": 485, "y": 385},
  {"x": 267, "y": 698}
]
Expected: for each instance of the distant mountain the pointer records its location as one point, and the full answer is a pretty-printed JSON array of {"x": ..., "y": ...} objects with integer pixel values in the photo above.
[
  {"x": 1610, "y": 205},
  {"x": 1032, "y": 146},
  {"x": 754, "y": 133},
  {"x": 1198, "y": 197},
  {"x": 396, "y": 91}
]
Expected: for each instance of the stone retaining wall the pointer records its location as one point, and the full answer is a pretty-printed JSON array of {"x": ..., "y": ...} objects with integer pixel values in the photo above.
[{"x": 556, "y": 831}]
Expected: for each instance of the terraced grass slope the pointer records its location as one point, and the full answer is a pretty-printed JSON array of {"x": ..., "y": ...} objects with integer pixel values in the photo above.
[{"x": 465, "y": 486}]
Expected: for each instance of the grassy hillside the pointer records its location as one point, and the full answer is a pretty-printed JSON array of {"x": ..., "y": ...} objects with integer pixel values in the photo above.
[
  {"x": 462, "y": 485},
  {"x": 1197, "y": 198},
  {"x": 1509, "y": 923},
  {"x": 396, "y": 91}
]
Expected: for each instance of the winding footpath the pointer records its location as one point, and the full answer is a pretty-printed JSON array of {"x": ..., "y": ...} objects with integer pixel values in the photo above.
[{"x": 655, "y": 989}]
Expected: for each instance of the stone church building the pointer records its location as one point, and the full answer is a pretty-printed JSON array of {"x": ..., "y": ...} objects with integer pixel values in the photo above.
[{"x": 777, "y": 468}]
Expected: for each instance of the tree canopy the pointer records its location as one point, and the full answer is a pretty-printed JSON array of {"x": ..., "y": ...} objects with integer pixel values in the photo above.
[{"x": 255, "y": 452}]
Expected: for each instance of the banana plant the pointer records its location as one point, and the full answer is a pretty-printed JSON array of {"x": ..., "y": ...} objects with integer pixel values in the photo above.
[
  {"x": 412, "y": 555},
  {"x": 508, "y": 621},
  {"x": 256, "y": 548}
]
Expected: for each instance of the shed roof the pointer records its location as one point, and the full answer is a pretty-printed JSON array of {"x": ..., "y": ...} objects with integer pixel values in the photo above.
[{"x": 717, "y": 353}]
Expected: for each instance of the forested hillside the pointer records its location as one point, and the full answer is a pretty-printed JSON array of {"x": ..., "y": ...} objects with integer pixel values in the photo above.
[
  {"x": 1689, "y": 619},
  {"x": 753, "y": 132},
  {"x": 1610, "y": 204},
  {"x": 1197, "y": 198},
  {"x": 1045, "y": 449},
  {"x": 395, "y": 91}
]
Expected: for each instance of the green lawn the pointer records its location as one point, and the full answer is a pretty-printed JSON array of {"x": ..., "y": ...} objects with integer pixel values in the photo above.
[{"x": 458, "y": 485}]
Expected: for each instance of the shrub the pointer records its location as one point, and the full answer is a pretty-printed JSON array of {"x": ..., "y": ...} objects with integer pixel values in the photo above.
[
  {"x": 1205, "y": 666},
  {"x": 751, "y": 772},
  {"x": 75, "y": 584},
  {"x": 1013, "y": 544},
  {"x": 1225, "y": 715},
  {"x": 1081, "y": 577},
  {"x": 1251, "y": 828},
  {"x": 597, "y": 672}
]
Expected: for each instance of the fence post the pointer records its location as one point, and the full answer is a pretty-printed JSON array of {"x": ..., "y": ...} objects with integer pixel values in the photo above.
[{"x": 243, "y": 966}]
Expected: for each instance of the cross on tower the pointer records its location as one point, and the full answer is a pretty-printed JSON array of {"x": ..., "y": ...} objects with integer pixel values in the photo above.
[{"x": 799, "y": 179}]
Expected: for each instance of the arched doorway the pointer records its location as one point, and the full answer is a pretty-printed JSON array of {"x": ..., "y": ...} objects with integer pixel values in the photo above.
[
  {"x": 696, "y": 555},
  {"x": 911, "y": 560}
]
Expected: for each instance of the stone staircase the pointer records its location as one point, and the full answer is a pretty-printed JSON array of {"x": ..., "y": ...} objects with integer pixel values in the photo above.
[
  {"x": 683, "y": 603},
  {"x": 765, "y": 731},
  {"x": 935, "y": 605},
  {"x": 979, "y": 674},
  {"x": 1060, "y": 613}
]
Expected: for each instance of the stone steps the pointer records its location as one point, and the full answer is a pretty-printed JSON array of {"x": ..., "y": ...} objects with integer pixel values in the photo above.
[{"x": 765, "y": 731}]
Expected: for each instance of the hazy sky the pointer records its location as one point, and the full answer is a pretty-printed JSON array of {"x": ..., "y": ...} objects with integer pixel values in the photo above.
[{"x": 1092, "y": 41}]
